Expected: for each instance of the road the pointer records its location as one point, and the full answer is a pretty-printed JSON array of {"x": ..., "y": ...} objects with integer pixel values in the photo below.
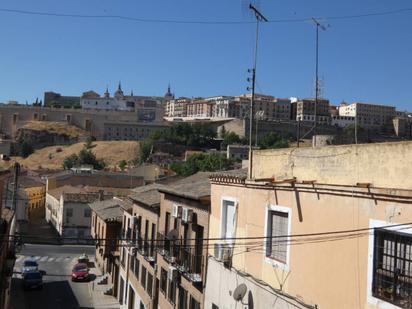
[{"x": 58, "y": 292}]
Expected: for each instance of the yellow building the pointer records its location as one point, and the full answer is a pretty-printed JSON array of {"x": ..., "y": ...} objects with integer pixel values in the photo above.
[
  {"x": 33, "y": 190},
  {"x": 326, "y": 227}
]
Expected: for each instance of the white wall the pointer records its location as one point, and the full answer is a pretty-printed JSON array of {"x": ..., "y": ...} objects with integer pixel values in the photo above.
[{"x": 221, "y": 282}]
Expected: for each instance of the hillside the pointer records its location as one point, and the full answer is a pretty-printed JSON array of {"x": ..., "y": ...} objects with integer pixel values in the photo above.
[
  {"x": 111, "y": 151},
  {"x": 55, "y": 127}
]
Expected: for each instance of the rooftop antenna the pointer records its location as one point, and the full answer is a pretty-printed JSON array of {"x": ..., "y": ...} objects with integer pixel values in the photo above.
[
  {"x": 259, "y": 17},
  {"x": 322, "y": 27}
]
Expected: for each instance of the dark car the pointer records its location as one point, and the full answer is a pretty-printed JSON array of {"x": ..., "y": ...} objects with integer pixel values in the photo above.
[
  {"x": 29, "y": 265},
  {"x": 80, "y": 272},
  {"x": 32, "y": 280}
]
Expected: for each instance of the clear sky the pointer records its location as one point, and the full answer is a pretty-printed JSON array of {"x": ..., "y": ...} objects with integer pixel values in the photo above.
[{"x": 361, "y": 59}]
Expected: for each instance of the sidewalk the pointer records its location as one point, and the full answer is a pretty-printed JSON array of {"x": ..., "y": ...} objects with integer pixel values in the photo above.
[{"x": 100, "y": 300}]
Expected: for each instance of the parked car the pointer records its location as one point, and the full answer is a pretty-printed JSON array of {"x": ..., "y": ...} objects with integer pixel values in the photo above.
[
  {"x": 83, "y": 259},
  {"x": 80, "y": 272},
  {"x": 29, "y": 265},
  {"x": 32, "y": 280}
]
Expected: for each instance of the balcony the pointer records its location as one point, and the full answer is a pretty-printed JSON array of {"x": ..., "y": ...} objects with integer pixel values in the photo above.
[
  {"x": 163, "y": 245},
  {"x": 190, "y": 264}
]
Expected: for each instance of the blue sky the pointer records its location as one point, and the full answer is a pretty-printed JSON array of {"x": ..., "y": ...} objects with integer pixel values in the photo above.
[{"x": 361, "y": 59}]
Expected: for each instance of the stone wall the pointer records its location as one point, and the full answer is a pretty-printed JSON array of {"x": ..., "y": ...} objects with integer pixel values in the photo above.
[
  {"x": 13, "y": 117},
  {"x": 386, "y": 165}
]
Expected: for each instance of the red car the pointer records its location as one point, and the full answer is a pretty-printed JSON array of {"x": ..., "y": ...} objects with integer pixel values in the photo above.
[{"x": 80, "y": 272}]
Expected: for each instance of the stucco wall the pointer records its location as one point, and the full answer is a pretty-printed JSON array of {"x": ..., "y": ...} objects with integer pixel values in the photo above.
[
  {"x": 382, "y": 164},
  {"x": 331, "y": 274}
]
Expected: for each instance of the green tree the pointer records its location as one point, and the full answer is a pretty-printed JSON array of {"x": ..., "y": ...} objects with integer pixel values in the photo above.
[
  {"x": 230, "y": 138},
  {"x": 202, "y": 162},
  {"x": 349, "y": 130},
  {"x": 272, "y": 140},
  {"x": 25, "y": 149},
  {"x": 70, "y": 161},
  {"x": 84, "y": 157},
  {"x": 122, "y": 164},
  {"x": 145, "y": 149}
]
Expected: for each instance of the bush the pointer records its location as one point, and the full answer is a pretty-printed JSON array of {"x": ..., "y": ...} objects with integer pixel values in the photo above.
[
  {"x": 202, "y": 163},
  {"x": 122, "y": 164},
  {"x": 85, "y": 157},
  {"x": 26, "y": 149}
]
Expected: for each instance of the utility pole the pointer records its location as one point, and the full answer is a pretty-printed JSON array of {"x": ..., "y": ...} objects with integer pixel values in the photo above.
[
  {"x": 259, "y": 114},
  {"x": 317, "y": 24},
  {"x": 259, "y": 17}
]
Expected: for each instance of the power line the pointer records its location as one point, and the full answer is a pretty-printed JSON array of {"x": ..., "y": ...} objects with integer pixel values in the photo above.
[
  {"x": 340, "y": 233},
  {"x": 179, "y": 21}
]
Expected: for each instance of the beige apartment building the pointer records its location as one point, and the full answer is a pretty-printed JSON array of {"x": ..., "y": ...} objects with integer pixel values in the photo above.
[
  {"x": 321, "y": 227},
  {"x": 182, "y": 258},
  {"x": 177, "y": 107},
  {"x": 106, "y": 225},
  {"x": 305, "y": 111},
  {"x": 369, "y": 115},
  {"x": 201, "y": 108}
]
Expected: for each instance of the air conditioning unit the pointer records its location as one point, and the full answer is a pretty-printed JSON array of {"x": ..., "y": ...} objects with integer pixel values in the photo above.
[
  {"x": 187, "y": 215},
  {"x": 223, "y": 252},
  {"x": 176, "y": 211},
  {"x": 172, "y": 273}
]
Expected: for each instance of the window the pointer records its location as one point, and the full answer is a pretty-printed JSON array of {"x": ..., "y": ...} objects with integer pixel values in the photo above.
[
  {"x": 194, "y": 304},
  {"x": 121, "y": 294},
  {"x": 392, "y": 267},
  {"x": 149, "y": 284},
  {"x": 228, "y": 219},
  {"x": 277, "y": 225},
  {"x": 143, "y": 277},
  {"x": 182, "y": 298},
  {"x": 172, "y": 291},
  {"x": 137, "y": 268},
  {"x": 69, "y": 212},
  {"x": 87, "y": 212},
  {"x": 163, "y": 280}
]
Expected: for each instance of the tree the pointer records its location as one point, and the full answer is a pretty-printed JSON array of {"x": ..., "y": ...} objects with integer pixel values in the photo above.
[
  {"x": 84, "y": 157},
  {"x": 145, "y": 149},
  {"x": 70, "y": 161},
  {"x": 272, "y": 140},
  {"x": 202, "y": 162},
  {"x": 230, "y": 138},
  {"x": 26, "y": 149},
  {"x": 349, "y": 130},
  {"x": 122, "y": 164}
]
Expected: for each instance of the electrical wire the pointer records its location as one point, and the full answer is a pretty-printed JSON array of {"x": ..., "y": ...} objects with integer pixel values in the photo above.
[{"x": 179, "y": 21}]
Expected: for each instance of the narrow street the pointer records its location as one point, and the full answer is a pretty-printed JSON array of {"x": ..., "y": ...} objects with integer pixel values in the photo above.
[{"x": 59, "y": 291}]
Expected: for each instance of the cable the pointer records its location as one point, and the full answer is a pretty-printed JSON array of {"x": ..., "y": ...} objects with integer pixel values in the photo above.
[
  {"x": 177, "y": 21},
  {"x": 232, "y": 239}
]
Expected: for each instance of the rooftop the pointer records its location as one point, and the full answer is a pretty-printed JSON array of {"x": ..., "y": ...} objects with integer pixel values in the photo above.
[
  {"x": 148, "y": 195},
  {"x": 195, "y": 187},
  {"x": 110, "y": 210}
]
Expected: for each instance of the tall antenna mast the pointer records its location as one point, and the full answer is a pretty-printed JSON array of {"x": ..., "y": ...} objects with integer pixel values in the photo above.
[
  {"x": 318, "y": 25},
  {"x": 259, "y": 17}
]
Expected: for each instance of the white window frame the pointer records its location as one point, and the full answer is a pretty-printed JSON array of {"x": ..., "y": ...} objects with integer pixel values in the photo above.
[
  {"x": 273, "y": 262},
  {"x": 235, "y": 202},
  {"x": 371, "y": 245}
]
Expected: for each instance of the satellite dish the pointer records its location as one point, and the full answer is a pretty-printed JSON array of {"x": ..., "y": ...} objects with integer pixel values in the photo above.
[{"x": 240, "y": 292}]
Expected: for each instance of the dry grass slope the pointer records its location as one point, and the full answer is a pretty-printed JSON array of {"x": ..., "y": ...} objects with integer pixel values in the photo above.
[
  {"x": 111, "y": 151},
  {"x": 55, "y": 127}
]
